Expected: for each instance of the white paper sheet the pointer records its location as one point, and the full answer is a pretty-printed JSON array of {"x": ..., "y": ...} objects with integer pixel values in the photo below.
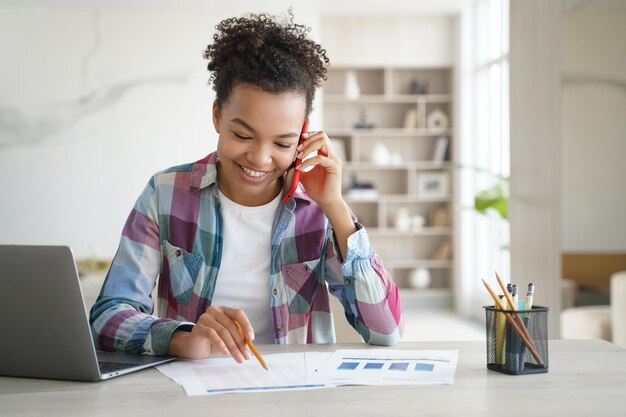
[
  {"x": 314, "y": 370},
  {"x": 287, "y": 371}
]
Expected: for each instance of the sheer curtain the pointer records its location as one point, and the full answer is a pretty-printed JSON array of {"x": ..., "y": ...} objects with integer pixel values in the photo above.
[{"x": 484, "y": 154}]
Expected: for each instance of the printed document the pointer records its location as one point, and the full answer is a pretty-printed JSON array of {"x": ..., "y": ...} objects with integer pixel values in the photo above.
[{"x": 314, "y": 370}]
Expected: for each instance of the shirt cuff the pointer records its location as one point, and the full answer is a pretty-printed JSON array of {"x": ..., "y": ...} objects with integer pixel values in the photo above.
[
  {"x": 359, "y": 246},
  {"x": 161, "y": 333}
]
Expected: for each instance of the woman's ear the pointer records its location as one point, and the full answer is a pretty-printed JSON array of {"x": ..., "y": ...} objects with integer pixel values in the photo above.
[{"x": 216, "y": 116}]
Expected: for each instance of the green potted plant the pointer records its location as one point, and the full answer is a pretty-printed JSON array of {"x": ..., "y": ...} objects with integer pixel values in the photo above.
[{"x": 495, "y": 198}]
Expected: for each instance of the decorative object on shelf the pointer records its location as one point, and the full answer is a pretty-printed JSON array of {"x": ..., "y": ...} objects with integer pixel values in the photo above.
[
  {"x": 352, "y": 86},
  {"x": 339, "y": 147},
  {"x": 396, "y": 158},
  {"x": 443, "y": 252},
  {"x": 419, "y": 87},
  {"x": 380, "y": 154},
  {"x": 403, "y": 219},
  {"x": 440, "y": 217},
  {"x": 363, "y": 123},
  {"x": 410, "y": 118},
  {"x": 417, "y": 222},
  {"x": 437, "y": 121},
  {"x": 433, "y": 184},
  {"x": 441, "y": 149},
  {"x": 420, "y": 278},
  {"x": 364, "y": 190},
  {"x": 362, "y": 193}
]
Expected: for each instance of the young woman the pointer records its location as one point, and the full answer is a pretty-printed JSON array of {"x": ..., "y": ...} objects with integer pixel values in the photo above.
[{"x": 216, "y": 234}]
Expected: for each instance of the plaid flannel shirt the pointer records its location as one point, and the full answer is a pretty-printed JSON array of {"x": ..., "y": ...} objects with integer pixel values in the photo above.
[{"x": 174, "y": 233}]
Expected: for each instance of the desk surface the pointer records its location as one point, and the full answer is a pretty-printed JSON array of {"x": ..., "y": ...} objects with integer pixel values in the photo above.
[{"x": 586, "y": 378}]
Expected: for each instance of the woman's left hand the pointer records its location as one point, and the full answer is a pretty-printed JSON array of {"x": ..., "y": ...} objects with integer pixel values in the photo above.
[{"x": 323, "y": 182}]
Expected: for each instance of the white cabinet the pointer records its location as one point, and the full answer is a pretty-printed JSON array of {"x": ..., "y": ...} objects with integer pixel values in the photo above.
[{"x": 394, "y": 130}]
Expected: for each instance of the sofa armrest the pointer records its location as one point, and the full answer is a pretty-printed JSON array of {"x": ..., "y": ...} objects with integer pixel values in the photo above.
[
  {"x": 569, "y": 288},
  {"x": 586, "y": 322},
  {"x": 618, "y": 308}
]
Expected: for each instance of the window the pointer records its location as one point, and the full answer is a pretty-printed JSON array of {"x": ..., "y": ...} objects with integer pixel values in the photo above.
[{"x": 484, "y": 154}]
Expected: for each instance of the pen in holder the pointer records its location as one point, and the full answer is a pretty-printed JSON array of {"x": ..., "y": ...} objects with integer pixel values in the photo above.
[{"x": 517, "y": 354}]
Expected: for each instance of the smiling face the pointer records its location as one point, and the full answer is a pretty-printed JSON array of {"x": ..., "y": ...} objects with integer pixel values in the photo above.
[{"x": 258, "y": 135}]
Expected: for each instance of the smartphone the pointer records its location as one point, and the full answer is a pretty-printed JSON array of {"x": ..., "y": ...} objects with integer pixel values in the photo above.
[{"x": 296, "y": 173}]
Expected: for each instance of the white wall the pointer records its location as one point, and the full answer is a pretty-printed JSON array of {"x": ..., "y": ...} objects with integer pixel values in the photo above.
[
  {"x": 594, "y": 132},
  {"x": 384, "y": 40}
]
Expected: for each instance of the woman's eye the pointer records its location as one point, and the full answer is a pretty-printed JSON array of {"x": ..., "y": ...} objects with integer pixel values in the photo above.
[
  {"x": 241, "y": 136},
  {"x": 284, "y": 145}
]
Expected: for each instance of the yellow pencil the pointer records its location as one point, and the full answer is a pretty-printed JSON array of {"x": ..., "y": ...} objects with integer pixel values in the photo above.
[
  {"x": 252, "y": 347},
  {"x": 500, "y": 335},
  {"x": 527, "y": 341}
]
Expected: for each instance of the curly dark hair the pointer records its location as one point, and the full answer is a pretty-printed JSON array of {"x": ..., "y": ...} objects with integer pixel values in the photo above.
[{"x": 259, "y": 50}]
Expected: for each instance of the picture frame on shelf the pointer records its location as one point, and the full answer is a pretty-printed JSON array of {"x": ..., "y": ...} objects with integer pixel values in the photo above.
[{"x": 433, "y": 184}]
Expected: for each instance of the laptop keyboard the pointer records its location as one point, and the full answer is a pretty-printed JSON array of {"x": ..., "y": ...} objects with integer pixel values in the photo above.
[{"x": 108, "y": 367}]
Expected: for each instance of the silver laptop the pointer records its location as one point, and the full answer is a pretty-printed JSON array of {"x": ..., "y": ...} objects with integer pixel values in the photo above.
[{"x": 44, "y": 328}]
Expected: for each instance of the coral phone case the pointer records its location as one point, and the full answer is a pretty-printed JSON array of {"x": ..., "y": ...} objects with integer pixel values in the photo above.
[{"x": 296, "y": 173}]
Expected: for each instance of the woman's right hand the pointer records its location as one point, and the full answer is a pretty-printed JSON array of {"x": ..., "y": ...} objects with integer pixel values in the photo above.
[{"x": 215, "y": 333}]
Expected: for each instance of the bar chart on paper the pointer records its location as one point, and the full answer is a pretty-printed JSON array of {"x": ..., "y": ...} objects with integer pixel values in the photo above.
[
  {"x": 388, "y": 367},
  {"x": 384, "y": 365}
]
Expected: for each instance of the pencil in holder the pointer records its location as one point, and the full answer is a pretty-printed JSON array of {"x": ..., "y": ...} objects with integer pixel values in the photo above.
[{"x": 517, "y": 341}]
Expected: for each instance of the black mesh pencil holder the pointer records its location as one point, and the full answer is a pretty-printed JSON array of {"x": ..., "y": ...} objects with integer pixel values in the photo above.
[{"x": 517, "y": 345}]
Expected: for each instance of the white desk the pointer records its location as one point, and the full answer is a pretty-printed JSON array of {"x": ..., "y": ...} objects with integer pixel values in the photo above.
[{"x": 586, "y": 378}]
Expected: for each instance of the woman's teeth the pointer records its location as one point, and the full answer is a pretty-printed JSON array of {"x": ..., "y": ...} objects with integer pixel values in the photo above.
[{"x": 252, "y": 173}]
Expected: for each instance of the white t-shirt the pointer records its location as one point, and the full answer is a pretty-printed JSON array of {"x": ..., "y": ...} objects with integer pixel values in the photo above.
[{"x": 243, "y": 278}]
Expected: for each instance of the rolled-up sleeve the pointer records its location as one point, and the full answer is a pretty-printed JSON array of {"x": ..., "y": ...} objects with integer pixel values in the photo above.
[
  {"x": 121, "y": 318},
  {"x": 367, "y": 292}
]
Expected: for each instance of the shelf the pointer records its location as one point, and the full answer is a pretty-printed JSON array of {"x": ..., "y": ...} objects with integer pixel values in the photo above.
[
  {"x": 424, "y": 231},
  {"x": 416, "y": 165},
  {"x": 398, "y": 102},
  {"x": 390, "y": 80},
  {"x": 416, "y": 263},
  {"x": 392, "y": 98},
  {"x": 397, "y": 198},
  {"x": 379, "y": 132}
]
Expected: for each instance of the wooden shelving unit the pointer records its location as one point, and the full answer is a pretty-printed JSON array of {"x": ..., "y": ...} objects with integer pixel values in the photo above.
[{"x": 396, "y": 104}]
